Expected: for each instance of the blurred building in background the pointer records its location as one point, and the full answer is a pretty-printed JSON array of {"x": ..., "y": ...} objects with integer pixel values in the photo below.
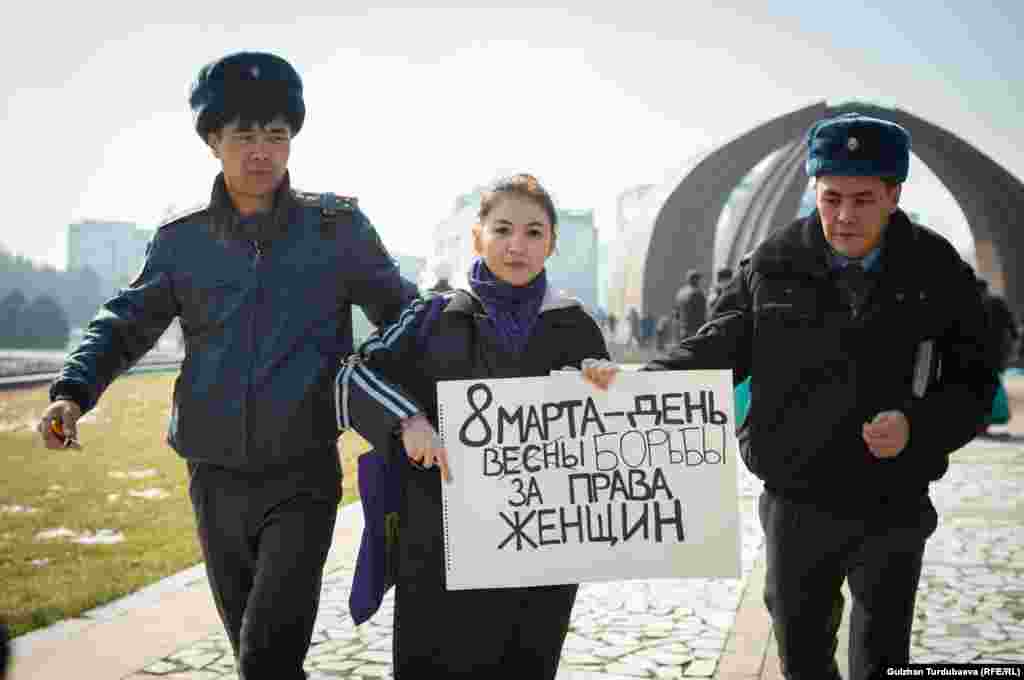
[{"x": 114, "y": 250}]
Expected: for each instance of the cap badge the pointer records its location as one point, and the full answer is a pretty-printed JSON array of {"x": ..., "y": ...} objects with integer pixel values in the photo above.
[
  {"x": 255, "y": 71},
  {"x": 852, "y": 144}
]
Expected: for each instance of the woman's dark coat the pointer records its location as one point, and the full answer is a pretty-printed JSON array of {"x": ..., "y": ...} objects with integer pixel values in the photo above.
[{"x": 474, "y": 633}]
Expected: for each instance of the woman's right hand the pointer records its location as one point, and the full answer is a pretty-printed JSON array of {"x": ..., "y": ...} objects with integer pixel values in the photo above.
[
  {"x": 599, "y": 372},
  {"x": 423, "y": 445}
]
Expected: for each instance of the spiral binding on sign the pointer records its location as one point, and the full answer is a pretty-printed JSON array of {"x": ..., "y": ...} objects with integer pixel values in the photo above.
[{"x": 444, "y": 496}]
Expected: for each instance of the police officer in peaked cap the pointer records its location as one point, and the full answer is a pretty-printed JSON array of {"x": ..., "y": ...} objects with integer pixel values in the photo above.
[
  {"x": 263, "y": 279},
  {"x": 863, "y": 338}
]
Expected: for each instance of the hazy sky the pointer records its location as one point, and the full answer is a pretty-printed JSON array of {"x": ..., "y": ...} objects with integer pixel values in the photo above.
[{"x": 408, "y": 107}]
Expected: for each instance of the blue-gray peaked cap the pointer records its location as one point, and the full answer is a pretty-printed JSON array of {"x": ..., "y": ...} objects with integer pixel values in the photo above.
[
  {"x": 853, "y": 144},
  {"x": 247, "y": 81}
]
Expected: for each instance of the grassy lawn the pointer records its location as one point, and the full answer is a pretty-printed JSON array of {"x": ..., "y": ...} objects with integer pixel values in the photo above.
[{"x": 126, "y": 481}]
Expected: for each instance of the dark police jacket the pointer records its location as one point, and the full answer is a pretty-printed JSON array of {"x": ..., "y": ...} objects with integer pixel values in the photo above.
[
  {"x": 265, "y": 326},
  {"x": 819, "y": 371}
]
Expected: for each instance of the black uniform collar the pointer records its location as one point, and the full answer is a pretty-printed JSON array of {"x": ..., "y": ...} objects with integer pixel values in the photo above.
[
  {"x": 226, "y": 220},
  {"x": 801, "y": 248}
]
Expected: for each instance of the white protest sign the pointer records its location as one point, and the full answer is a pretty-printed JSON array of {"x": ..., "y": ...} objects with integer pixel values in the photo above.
[{"x": 557, "y": 482}]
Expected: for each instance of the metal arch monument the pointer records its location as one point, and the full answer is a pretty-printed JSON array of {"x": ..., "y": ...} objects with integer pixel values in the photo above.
[{"x": 673, "y": 229}]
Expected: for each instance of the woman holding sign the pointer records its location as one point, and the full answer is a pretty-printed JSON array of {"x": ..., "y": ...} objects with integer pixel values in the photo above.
[{"x": 506, "y": 323}]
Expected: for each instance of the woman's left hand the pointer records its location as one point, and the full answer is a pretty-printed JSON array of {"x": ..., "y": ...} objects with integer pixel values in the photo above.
[{"x": 423, "y": 445}]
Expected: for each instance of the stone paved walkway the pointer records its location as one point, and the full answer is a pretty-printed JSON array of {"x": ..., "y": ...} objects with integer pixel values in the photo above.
[
  {"x": 655, "y": 628},
  {"x": 970, "y": 604}
]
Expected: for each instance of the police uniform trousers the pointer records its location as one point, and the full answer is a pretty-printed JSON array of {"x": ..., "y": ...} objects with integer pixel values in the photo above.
[
  {"x": 810, "y": 550},
  {"x": 492, "y": 633},
  {"x": 265, "y": 537}
]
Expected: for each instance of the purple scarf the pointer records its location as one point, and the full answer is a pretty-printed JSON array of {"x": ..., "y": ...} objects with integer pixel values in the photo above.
[{"x": 513, "y": 309}]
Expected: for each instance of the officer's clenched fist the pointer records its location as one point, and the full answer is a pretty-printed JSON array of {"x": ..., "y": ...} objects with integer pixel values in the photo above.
[{"x": 58, "y": 426}]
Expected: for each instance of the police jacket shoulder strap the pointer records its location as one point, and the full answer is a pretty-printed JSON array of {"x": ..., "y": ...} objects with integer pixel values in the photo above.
[{"x": 333, "y": 208}]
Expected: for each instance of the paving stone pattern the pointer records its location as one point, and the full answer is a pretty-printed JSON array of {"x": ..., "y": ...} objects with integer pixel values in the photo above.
[{"x": 970, "y": 605}]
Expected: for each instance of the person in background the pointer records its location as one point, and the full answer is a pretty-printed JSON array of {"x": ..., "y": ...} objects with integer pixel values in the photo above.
[
  {"x": 263, "y": 279},
  {"x": 507, "y": 323},
  {"x": 691, "y": 306},
  {"x": 663, "y": 332},
  {"x": 649, "y": 327},
  {"x": 1002, "y": 335},
  {"x": 722, "y": 278},
  {"x": 1002, "y": 326},
  {"x": 636, "y": 332},
  {"x": 843, "y": 319},
  {"x": 442, "y": 271}
]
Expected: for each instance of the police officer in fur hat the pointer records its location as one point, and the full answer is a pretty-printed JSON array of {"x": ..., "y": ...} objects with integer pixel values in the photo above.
[
  {"x": 863, "y": 337},
  {"x": 262, "y": 278}
]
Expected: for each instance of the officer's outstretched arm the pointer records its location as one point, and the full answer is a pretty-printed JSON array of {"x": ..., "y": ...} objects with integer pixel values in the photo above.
[
  {"x": 722, "y": 342},
  {"x": 369, "y": 393},
  {"x": 125, "y": 328},
  {"x": 375, "y": 283}
]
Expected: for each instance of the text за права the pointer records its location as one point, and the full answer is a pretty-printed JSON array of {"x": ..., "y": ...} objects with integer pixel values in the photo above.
[{"x": 647, "y": 445}]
